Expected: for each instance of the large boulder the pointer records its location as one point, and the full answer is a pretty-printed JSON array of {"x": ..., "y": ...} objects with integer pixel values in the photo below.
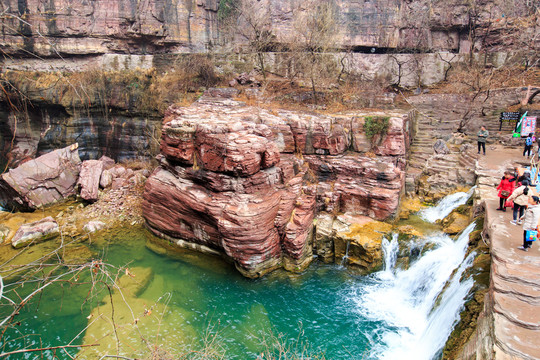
[
  {"x": 89, "y": 178},
  {"x": 33, "y": 233},
  {"x": 48, "y": 179}
]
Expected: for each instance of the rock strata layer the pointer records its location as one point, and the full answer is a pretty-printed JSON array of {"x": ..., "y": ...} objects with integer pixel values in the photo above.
[{"x": 247, "y": 182}]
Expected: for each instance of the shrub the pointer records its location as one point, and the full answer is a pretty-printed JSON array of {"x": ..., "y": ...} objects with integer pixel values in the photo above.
[{"x": 376, "y": 125}]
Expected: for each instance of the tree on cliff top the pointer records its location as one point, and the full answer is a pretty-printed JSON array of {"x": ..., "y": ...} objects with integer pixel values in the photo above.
[
  {"x": 250, "y": 22},
  {"x": 314, "y": 36}
]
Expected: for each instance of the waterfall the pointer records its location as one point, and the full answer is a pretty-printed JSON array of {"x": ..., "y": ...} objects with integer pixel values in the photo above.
[
  {"x": 390, "y": 250},
  {"x": 415, "y": 315},
  {"x": 445, "y": 206},
  {"x": 346, "y": 256}
]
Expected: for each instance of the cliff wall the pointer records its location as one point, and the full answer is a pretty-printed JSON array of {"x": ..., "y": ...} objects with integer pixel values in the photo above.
[{"x": 87, "y": 28}]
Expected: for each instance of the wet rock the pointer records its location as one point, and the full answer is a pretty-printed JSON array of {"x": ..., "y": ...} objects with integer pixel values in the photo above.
[
  {"x": 324, "y": 238},
  {"x": 48, "y": 179},
  {"x": 89, "y": 179},
  {"x": 94, "y": 226},
  {"x": 455, "y": 223},
  {"x": 440, "y": 147},
  {"x": 358, "y": 241},
  {"x": 35, "y": 232},
  {"x": 409, "y": 230}
]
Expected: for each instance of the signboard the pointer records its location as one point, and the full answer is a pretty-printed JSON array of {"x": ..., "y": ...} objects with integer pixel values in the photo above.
[
  {"x": 528, "y": 126},
  {"x": 510, "y": 116}
]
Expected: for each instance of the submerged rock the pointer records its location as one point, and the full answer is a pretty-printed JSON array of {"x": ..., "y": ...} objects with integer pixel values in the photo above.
[
  {"x": 77, "y": 254},
  {"x": 94, "y": 226},
  {"x": 123, "y": 321},
  {"x": 48, "y": 179},
  {"x": 35, "y": 232}
]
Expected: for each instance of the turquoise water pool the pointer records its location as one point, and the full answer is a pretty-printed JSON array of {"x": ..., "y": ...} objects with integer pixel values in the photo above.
[
  {"x": 309, "y": 309},
  {"x": 184, "y": 303}
]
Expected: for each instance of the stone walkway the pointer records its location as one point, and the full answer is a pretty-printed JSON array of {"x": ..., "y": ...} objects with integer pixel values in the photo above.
[{"x": 514, "y": 301}]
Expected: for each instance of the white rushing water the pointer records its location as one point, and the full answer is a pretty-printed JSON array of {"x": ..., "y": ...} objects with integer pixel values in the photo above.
[
  {"x": 403, "y": 302},
  {"x": 445, "y": 206}
]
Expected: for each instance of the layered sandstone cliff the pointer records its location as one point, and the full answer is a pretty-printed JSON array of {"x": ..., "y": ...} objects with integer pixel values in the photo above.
[
  {"x": 247, "y": 182},
  {"x": 65, "y": 28}
]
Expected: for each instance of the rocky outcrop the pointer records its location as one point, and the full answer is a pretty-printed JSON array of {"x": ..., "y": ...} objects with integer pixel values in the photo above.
[
  {"x": 43, "y": 181},
  {"x": 247, "y": 182},
  {"x": 35, "y": 232}
]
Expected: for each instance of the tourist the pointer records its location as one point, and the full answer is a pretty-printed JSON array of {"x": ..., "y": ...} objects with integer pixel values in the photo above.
[
  {"x": 506, "y": 186},
  {"x": 529, "y": 141},
  {"x": 520, "y": 175},
  {"x": 530, "y": 223},
  {"x": 482, "y": 136},
  {"x": 520, "y": 197}
]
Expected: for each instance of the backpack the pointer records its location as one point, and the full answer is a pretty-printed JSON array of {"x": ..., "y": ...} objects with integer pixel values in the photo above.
[{"x": 529, "y": 141}]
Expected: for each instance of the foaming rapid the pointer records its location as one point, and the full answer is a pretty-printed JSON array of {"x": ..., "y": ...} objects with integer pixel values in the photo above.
[
  {"x": 445, "y": 206},
  {"x": 414, "y": 314}
]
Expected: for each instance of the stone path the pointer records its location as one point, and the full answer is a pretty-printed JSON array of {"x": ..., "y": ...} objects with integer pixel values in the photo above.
[
  {"x": 515, "y": 275},
  {"x": 455, "y": 166}
]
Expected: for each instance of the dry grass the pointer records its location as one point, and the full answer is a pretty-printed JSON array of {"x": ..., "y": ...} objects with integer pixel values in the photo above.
[{"x": 141, "y": 91}]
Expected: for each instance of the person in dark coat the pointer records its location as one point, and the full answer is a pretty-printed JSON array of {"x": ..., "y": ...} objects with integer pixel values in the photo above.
[
  {"x": 482, "y": 137},
  {"x": 506, "y": 187}
]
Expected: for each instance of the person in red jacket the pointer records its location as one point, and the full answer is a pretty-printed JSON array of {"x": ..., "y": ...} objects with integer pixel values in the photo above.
[{"x": 506, "y": 187}]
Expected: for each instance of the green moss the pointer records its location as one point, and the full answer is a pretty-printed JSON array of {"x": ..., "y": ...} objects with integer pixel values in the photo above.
[{"x": 376, "y": 125}]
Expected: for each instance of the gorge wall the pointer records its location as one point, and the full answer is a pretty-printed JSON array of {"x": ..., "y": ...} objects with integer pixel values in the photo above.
[
  {"x": 81, "y": 28},
  {"x": 247, "y": 182},
  {"x": 415, "y": 40}
]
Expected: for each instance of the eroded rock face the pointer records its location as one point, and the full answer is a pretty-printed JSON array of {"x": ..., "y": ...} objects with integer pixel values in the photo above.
[
  {"x": 247, "y": 183},
  {"x": 43, "y": 181}
]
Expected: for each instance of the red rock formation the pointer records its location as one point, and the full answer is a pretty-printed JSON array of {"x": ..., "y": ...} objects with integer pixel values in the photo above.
[{"x": 229, "y": 181}]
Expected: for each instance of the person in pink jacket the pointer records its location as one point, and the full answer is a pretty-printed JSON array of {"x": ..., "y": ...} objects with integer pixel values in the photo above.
[{"x": 506, "y": 187}]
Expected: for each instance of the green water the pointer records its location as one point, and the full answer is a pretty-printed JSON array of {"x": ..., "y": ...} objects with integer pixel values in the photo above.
[{"x": 207, "y": 296}]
